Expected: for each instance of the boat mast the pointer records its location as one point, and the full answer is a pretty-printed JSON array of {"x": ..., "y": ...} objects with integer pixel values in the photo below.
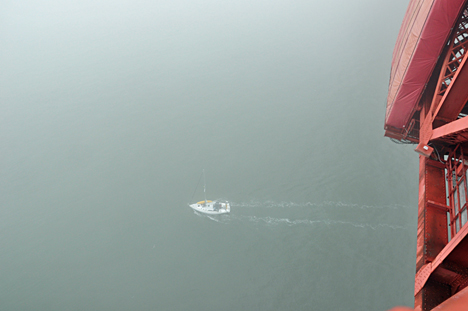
[{"x": 204, "y": 185}]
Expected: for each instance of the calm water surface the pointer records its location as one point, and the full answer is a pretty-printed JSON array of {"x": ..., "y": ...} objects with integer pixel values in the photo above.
[{"x": 110, "y": 110}]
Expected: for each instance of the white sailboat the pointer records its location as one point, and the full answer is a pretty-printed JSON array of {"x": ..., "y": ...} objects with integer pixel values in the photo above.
[{"x": 209, "y": 207}]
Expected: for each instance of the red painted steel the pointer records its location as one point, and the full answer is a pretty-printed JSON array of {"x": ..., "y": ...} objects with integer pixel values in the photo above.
[
  {"x": 452, "y": 257},
  {"x": 452, "y": 133},
  {"x": 428, "y": 104},
  {"x": 456, "y": 178},
  {"x": 450, "y": 93},
  {"x": 432, "y": 223},
  {"x": 451, "y": 88},
  {"x": 423, "y": 35},
  {"x": 453, "y": 101},
  {"x": 459, "y": 302},
  {"x": 442, "y": 265},
  {"x": 432, "y": 229}
]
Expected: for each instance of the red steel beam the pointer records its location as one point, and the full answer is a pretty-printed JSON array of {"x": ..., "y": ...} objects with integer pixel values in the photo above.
[
  {"x": 458, "y": 302},
  {"x": 453, "y": 132},
  {"x": 432, "y": 235},
  {"x": 453, "y": 249},
  {"x": 456, "y": 96},
  {"x": 451, "y": 92}
]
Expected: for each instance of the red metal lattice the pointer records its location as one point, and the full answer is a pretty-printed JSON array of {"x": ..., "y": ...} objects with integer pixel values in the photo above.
[
  {"x": 457, "y": 189},
  {"x": 458, "y": 48}
]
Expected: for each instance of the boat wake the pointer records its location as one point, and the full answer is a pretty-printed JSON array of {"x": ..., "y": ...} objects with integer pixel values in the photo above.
[
  {"x": 285, "y": 204},
  {"x": 330, "y": 214},
  {"x": 294, "y": 222}
]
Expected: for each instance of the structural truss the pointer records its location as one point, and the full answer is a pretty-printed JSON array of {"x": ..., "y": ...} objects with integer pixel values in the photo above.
[{"x": 427, "y": 106}]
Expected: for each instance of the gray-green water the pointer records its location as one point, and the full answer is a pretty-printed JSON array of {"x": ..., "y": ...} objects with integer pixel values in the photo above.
[{"x": 109, "y": 111}]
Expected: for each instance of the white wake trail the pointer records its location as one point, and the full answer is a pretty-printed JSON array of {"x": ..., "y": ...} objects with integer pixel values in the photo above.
[{"x": 321, "y": 210}]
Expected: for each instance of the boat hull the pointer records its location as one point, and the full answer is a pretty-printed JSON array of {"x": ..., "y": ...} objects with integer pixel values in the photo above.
[{"x": 211, "y": 208}]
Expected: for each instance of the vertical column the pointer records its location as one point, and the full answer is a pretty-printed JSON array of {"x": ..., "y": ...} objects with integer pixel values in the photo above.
[{"x": 432, "y": 233}]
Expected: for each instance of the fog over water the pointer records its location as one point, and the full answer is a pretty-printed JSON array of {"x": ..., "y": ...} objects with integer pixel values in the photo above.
[{"x": 110, "y": 110}]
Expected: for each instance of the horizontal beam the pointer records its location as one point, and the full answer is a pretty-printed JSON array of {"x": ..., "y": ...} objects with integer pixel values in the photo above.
[
  {"x": 450, "y": 129},
  {"x": 428, "y": 269}
]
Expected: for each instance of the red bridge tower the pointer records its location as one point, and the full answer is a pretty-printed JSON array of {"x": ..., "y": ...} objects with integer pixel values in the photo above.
[{"x": 427, "y": 106}]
